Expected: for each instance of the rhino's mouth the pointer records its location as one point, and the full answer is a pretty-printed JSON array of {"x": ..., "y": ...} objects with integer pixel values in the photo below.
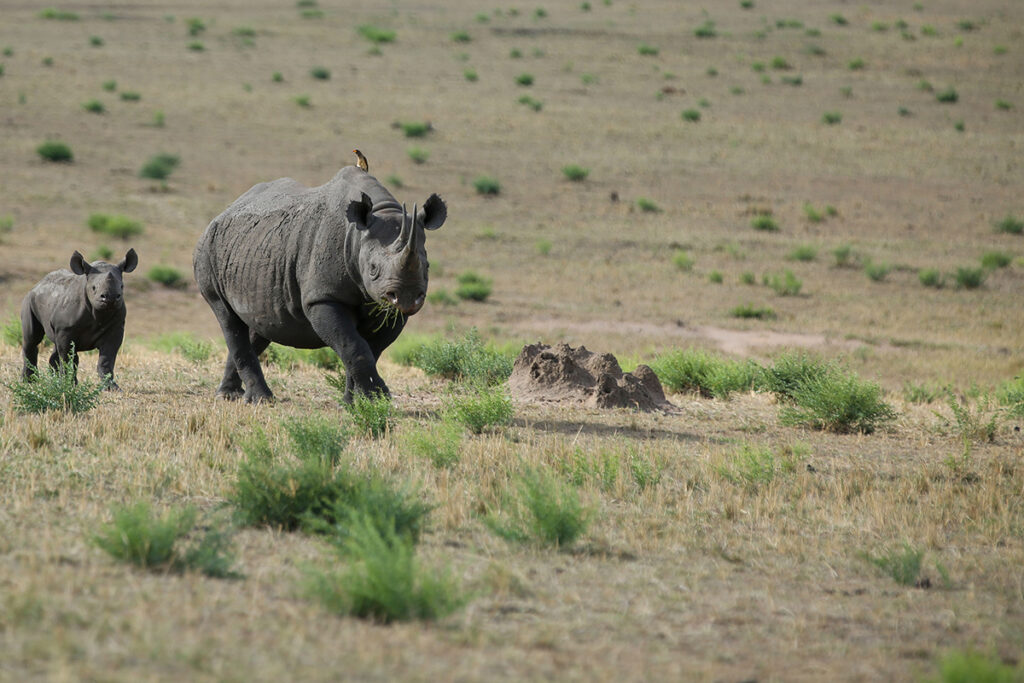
[{"x": 387, "y": 314}]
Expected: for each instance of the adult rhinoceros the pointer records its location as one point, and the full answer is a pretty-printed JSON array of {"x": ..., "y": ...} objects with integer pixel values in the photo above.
[{"x": 338, "y": 265}]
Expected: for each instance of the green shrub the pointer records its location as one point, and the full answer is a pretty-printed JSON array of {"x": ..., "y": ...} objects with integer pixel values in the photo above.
[
  {"x": 466, "y": 359},
  {"x": 877, "y": 272},
  {"x": 947, "y": 96},
  {"x": 372, "y": 416},
  {"x": 699, "y": 371},
  {"x": 837, "y": 402},
  {"x": 791, "y": 370},
  {"x": 780, "y": 64},
  {"x": 647, "y": 205},
  {"x": 479, "y": 408},
  {"x": 158, "y": 119},
  {"x": 320, "y": 73},
  {"x": 441, "y": 297},
  {"x": 531, "y": 102},
  {"x": 1010, "y": 225},
  {"x": 682, "y": 260},
  {"x": 804, "y": 252},
  {"x": 303, "y": 101},
  {"x": 96, "y": 41},
  {"x": 843, "y": 255},
  {"x": 11, "y": 331},
  {"x": 55, "y": 389},
  {"x": 94, "y": 106},
  {"x": 575, "y": 172},
  {"x": 470, "y": 75},
  {"x": 244, "y": 31},
  {"x": 930, "y": 277},
  {"x": 1004, "y": 105},
  {"x": 383, "y": 581},
  {"x": 752, "y": 311},
  {"x": 461, "y": 37},
  {"x": 746, "y": 4},
  {"x": 487, "y": 186},
  {"x": 289, "y": 357},
  {"x": 706, "y": 30},
  {"x": 137, "y": 536},
  {"x": 312, "y": 14},
  {"x": 832, "y": 118},
  {"x": 969, "y": 277},
  {"x": 277, "y": 77},
  {"x": 418, "y": 155},
  {"x": 691, "y": 115},
  {"x": 114, "y": 225},
  {"x": 438, "y": 442},
  {"x": 195, "y": 26},
  {"x": 545, "y": 511},
  {"x": 1010, "y": 394},
  {"x": 168, "y": 276},
  {"x": 764, "y": 222},
  {"x": 993, "y": 260},
  {"x": 57, "y": 14},
  {"x": 159, "y": 166},
  {"x": 472, "y": 286},
  {"x": 524, "y": 79},
  {"x": 903, "y": 565},
  {"x": 784, "y": 283},
  {"x": 747, "y": 278},
  {"x": 515, "y": 53},
  {"x": 716, "y": 277},
  {"x": 55, "y": 150},
  {"x": 755, "y": 466},
  {"x": 973, "y": 667},
  {"x": 196, "y": 46},
  {"x": 647, "y": 50},
  {"x": 813, "y": 215},
  {"x": 959, "y": 125}
]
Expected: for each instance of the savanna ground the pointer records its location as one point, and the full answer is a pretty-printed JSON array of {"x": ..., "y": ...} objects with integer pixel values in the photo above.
[{"x": 694, "y": 575}]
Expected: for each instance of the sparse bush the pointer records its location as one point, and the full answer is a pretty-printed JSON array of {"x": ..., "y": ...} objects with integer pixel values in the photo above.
[
  {"x": 903, "y": 565},
  {"x": 969, "y": 277},
  {"x": 524, "y": 79},
  {"x": 691, "y": 115},
  {"x": 755, "y": 466},
  {"x": 843, "y": 255},
  {"x": 682, "y": 260},
  {"x": 784, "y": 283},
  {"x": 575, "y": 172},
  {"x": 647, "y": 50},
  {"x": 55, "y": 389},
  {"x": 1011, "y": 225},
  {"x": 752, "y": 311},
  {"x": 543, "y": 247},
  {"x": 710, "y": 376},
  {"x": 470, "y": 75},
  {"x": 813, "y": 215},
  {"x": 706, "y": 30},
  {"x": 545, "y": 511},
  {"x": 55, "y": 150},
  {"x": 1004, "y": 105},
  {"x": 195, "y": 26},
  {"x": 57, "y": 14},
  {"x": 96, "y": 41},
  {"x": 780, "y": 64},
  {"x": 466, "y": 359},
  {"x": 438, "y": 442},
  {"x": 277, "y": 77},
  {"x": 764, "y": 222},
  {"x": 461, "y": 37},
  {"x": 877, "y": 272},
  {"x": 383, "y": 581},
  {"x": 320, "y": 73},
  {"x": 303, "y": 101},
  {"x": 837, "y": 402},
  {"x": 114, "y": 225},
  {"x": 418, "y": 155},
  {"x": 791, "y": 370},
  {"x": 138, "y": 536},
  {"x": 974, "y": 667},
  {"x": 747, "y": 278},
  {"x": 480, "y": 408},
  {"x": 647, "y": 205},
  {"x": 487, "y": 186},
  {"x": 970, "y": 425},
  {"x": 473, "y": 287},
  {"x": 531, "y": 102},
  {"x": 196, "y": 46},
  {"x": 930, "y": 277},
  {"x": 947, "y": 96},
  {"x": 159, "y": 167},
  {"x": 6, "y": 224},
  {"x": 716, "y": 277},
  {"x": 130, "y": 96},
  {"x": 372, "y": 416},
  {"x": 94, "y": 106},
  {"x": 838, "y": 20},
  {"x": 168, "y": 276},
  {"x": 993, "y": 260},
  {"x": 832, "y": 118},
  {"x": 1010, "y": 394},
  {"x": 804, "y": 252}
]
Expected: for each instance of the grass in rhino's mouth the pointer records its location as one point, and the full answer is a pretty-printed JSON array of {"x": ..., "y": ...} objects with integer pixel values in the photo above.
[{"x": 388, "y": 313}]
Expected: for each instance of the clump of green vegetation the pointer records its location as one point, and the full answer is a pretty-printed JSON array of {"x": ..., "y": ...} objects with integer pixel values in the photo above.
[
  {"x": 839, "y": 20},
  {"x": 959, "y": 125},
  {"x": 321, "y": 73},
  {"x": 191, "y": 348},
  {"x": 470, "y": 75},
  {"x": 832, "y": 118},
  {"x": 472, "y": 286},
  {"x": 288, "y": 357},
  {"x": 1004, "y": 105},
  {"x": 947, "y": 96},
  {"x": 716, "y": 277},
  {"x": 795, "y": 81},
  {"x": 371, "y": 415},
  {"x": 303, "y": 101},
  {"x": 114, "y": 225},
  {"x": 784, "y": 283},
  {"x": 1010, "y": 394},
  {"x": 461, "y": 37},
  {"x": 55, "y": 150},
  {"x": 418, "y": 155},
  {"x": 804, "y": 252},
  {"x": 750, "y": 310},
  {"x": 780, "y": 64},
  {"x": 487, "y": 186},
  {"x": 856, "y": 64},
  {"x": 383, "y": 581},
  {"x": 545, "y": 511},
  {"x": 588, "y": 79},
  {"x": 747, "y": 278},
  {"x": 159, "y": 166},
  {"x": 836, "y": 401},
  {"x": 466, "y": 359},
  {"x": 903, "y": 565},
  {"x": 524, "y": 79},
  {"x": 96, "y": 41},
  {"x": 931, "y": 277},
  {"x": 791, "y": 370},
  {"x": 682, "y": 260},
  {"x": 691, "y": 115},
  {"x": 706, "y": 30},
  {"x": 531, "y": 102},
  {"x": 158, "y": 119},
  {"x": 1010, "y": 225},
  {"x": 479, "y": 408},
  {"x": 575, "y": 172},
  {"x": 979, "y": 424},
  {"x": 376, "y": 35},
  {"x": 746, "y": 4},
  {"x": 647, "y": 205},
  {"x": 277, "y": 77},
  {"x": 11, "y": 331},
  {"x": 195, "y": 26},
  {"x": 764, "y": 222},
  {"x": 695, "y": 370},
  {"x": 543, "y": 247},
  {"x": 968, "y": 277},
  {"x": 755, "y": 466},
  {"x": 57, "y": 14},
  {"x": 993, "y": 260},
  {"x": 55, "y": 389},
  {"x": 438, "y": 442},
  {"x": 168, "y": 276},
  {"x": 130, "y": 96},
  {"x": 813, "y": 214},
  {"x": 877, "y": 272},
  {"x": 138, "y": 536},
  {"x": 442, "y": 297},
  {"x": 647, "y": 50},
  {"x": 196, "y": 46},
  {"x": 94, "y": 107},
  {"x": 974, "y": 667},
  {"x": 844, "y": 256}
]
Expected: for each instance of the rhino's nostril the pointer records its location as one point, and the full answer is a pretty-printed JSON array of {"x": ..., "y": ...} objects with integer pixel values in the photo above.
[{"x": 392, "y": 298}]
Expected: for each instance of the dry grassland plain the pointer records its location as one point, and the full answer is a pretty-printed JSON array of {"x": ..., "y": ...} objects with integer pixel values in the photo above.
[{"x": 695, "y": 575}]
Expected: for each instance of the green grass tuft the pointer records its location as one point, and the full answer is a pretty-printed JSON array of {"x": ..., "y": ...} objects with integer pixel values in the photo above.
[
  {"x": 575, "y": 172},
  {"x": 55, "y": 150},
  {"x": 372, "y": 416},
  {"x": 931, "y": 277},
  {"x": 466, "y": 359},
  {"x": 837, "y": 401},
  {"x": 903, "y": 565},
  {"x": 376, "y": 35},
  {"x": 159, "y": 166},
  {"x": 472, "y": 286},
  {"x": 168, "y": 276},
  {"x": 479, "y": 408},
  {"x": 114, "y": 225},
  {"x": 545, "y": 511},
  {"x": 55, "y": 389},
  {"x": 695, "y": 370}
]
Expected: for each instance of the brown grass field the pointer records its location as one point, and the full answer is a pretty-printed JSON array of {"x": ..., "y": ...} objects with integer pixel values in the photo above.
[{"x": 692, "y": 578}]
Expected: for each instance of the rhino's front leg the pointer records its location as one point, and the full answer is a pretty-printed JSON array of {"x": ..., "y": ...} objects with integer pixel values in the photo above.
[
  {"x": 335, "y": 324},
  {"x": 105, "y": 366}
]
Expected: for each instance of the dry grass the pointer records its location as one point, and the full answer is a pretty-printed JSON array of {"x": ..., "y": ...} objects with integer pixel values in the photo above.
[{"x": 695, "y": 577}]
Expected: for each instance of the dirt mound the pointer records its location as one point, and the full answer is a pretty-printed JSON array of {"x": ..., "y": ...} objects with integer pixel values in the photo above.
[{"x": 563, "y": 374}]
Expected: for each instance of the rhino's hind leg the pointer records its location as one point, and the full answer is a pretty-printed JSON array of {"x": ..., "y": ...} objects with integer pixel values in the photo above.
[
  {"x": 31, "y": 336},
  {"x": 243, "y": 365}
]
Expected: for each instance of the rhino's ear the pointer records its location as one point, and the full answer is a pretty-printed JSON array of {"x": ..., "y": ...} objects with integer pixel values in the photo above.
[
  {"x": 358, "y": 212},
  {"x": 131, "y": 259},
  {"x": 79, "y": 266},
  {"x": 435, "y": 211}
]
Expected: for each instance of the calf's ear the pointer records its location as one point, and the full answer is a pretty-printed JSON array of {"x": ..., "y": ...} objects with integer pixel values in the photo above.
[
  {"x": 79, "y": 266},
  {"x": 128, "y": 263},
  {"x": 358, "y": 211},
  {"x": 435, "y": 211}
]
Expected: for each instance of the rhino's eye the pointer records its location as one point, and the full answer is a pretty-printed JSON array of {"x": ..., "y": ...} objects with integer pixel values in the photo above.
[{"x": 374, "y": 271}]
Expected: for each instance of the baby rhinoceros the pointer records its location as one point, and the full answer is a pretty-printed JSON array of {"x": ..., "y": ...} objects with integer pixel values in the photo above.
[{"x": 83, "y": 307}]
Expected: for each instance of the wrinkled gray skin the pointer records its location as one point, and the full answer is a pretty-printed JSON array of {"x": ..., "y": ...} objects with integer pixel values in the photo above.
[
  {"x": 84, "y": 307},
  {"x": 303, "y": 267}
]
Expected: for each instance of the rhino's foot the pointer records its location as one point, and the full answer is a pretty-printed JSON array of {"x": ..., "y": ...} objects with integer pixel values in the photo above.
[
  {"x": 230, "y": 394},
  {"x": 111, "y": 386},
  {"x": 256, "y": 398}
]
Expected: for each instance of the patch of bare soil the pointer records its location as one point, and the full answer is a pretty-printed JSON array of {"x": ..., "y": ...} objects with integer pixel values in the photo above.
[{"x": 563, "y": 374}]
